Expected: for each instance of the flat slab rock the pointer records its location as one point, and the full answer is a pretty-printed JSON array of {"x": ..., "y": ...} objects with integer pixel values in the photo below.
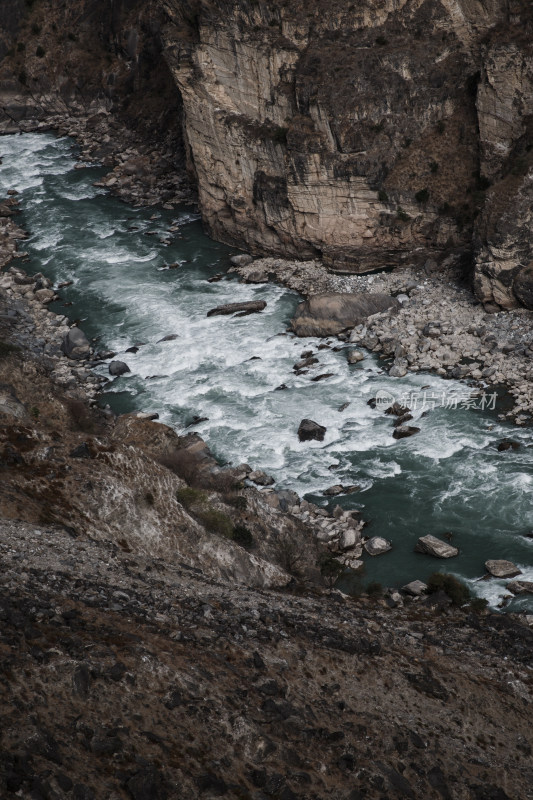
[
  {"x": 238, "y": 308},
  {"x": 432, "y": 546},
  {"x": 499, "y": 568},
  {"x": 415, "y": 588},
  {"x": 328, "y": 314}
]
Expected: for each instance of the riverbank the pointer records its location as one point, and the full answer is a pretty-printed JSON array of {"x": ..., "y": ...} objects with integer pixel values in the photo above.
[{"x": 440, "y": 327}]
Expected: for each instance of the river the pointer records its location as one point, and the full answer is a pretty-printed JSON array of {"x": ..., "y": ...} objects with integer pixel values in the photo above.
[{"x": 449, "y": 478}]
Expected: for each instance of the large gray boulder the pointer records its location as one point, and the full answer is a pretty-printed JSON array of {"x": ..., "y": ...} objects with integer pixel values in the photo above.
[
  {"x": 432, "y": 546},
  {"x": 117, "y": 368},
  {"x": 520, "y": 587},
  {"x": 328, "y": 314},
  {"x": 377, "y": 545},
  {"x": 75, "y": 344}
]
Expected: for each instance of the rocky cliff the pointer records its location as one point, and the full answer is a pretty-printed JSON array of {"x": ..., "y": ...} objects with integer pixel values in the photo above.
[{"x": 365, "y": 134}]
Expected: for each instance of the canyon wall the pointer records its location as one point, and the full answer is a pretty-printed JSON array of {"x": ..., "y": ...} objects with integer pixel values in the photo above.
[{"x": 367, "y": 134}]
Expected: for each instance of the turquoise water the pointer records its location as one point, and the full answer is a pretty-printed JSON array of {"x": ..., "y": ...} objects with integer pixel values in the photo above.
[{"x": 447, "y": 478}]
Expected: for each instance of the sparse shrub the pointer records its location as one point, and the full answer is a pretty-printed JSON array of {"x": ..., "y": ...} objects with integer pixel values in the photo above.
[
  {"x": 383, "y": 197},
  {"x": 238, "y": 501},
  {"x": 36, "y": 29},
  {"x": 40, "y": 52},
  {"x": 478, "y": 604},
  {"x": 79, "y": 414},
  {"x": 445, "y": 208},
  {"x": 279, "y": 135},
  {"x": 72, "y": 37},
  {"x": 407, "y": 142},
  {"x": 150, "y": 499},
  {"x": 189, "y": 497},
  {"x": 374, "y": 589},
  {"x": 23, "y": 77},
  {"x": 434, "y": 167},
  {"x": 402, "y": 215},
  {"x": 454, "y": 588},
  {"x": 20, "y": 47},
  {"x": 330, "y": 568},
  {"x": 183, "y": 463},
  {"x": 7, "y": 349},
  {"x": 215, "y": 521},
  {"x": 242, "y": 535},
  {"x": 289, "y": 554},
  {"x": 381, "y": 41},
  {"x": 422, "y": 196},
  {"x": 441, "y": 127}
]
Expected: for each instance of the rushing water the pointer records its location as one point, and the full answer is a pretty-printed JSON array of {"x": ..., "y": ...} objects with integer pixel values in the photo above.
[{"x": 447, "y": 478}]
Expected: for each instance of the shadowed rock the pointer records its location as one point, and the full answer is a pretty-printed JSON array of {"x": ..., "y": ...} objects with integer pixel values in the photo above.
[
  {"x": 75, "y": 344},
  {"x": 309, "y": 430},
  {"x": 233, "y": 308},
  {"x": 327, "y": 314},
  {"x": 499, "y": 568}
]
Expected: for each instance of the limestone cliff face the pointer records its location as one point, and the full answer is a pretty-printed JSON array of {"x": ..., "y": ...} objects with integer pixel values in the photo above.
[{"x": 327, "y": 129}]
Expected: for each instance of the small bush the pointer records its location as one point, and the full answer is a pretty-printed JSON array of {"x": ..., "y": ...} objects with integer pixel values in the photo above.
[
  {"x": 478, "y": 604},
  {"x": 455, "y": 589},
  {"x": 279, "y": 135},
  {"x": 150, "y": 499},
  {"x": 23, "y": 77},
  {"x": 238, "y": 501},
  {"x": 330, "y": 568},
  {"x": 242, "y": 535},
  {"x": 441, "y": 127},
  {"x": 403, "y": 215},
  {"x": 80, "y": 414},
  {"x": 374, "y": 589},
  {"x": 383, "y": 197},
  {"x": 434, "y": 167},
  {"x": 189, "y": 497},
  {"x": 20, "y": 47},
  {"x": 422, "y": 196},
  {"x": 40, "y": 52},
  {"x": 407, "y": 142},
  {"x": 35, "y": 29},
  {"x": 215, "y": 522},
  {"x": 7, "y": 349},
  {"x": 381, "y": 41},
  {"x": 183, "y": 463}
]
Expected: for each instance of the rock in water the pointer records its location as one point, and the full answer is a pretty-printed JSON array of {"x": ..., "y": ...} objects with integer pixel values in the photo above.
[
  {"x": 328, "y": 314},
  {"x": 75, "y": 344},
  {"x": 242, "y": 260},
  {"x": 377, "y": 545},
  {"x": 309, "y": 430},
  {"x": 432, "y": 546},
  {"x": 355, "y": 356},
  {"x": 403, "y": 431},
  {"x": 499, "y": 568},
  {"x": 520, "y": 587},
  {"x": 234, "y": 308},
  {"x": 118, "y": 368}
]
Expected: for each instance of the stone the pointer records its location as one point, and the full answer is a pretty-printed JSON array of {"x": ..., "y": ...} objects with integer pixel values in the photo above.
[
  {"x": 328, "y": 314},
  {"x": 242, "y": 309},
  {"x": 241, "y": 260},
  {"x": 75, "y": 344},
  {"x": 355, "y": 356},
  {"x": 523, "y": 286},
  {"x": 44, "y": 295},
  {"x": 403, "y": 431},
  {"x": 332, "y": 491},
  {"x": 310, "y": 430},
  {"x": 500, "y": 568},
  {"x": 508, "y": 444},
  {"x": 170, "y": 337},
  {"x": 415, "y": 588},
  {"x": 377, "y": 545},
  {"x": 432, "y": 546},
  {"x": 261, "y": 478},
  {"x": 520, "y": 587},
  {"x": 349, "y": 539},
  {"x": 117, "y": 368},
  {"x": 399, "y": 368}
]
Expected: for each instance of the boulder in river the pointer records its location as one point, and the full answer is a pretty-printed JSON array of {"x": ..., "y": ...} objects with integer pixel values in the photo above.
[
  {"x": 170, "y": 337},
  {"x": 377, "y": 545},
  {"x": 403, "y": 431},
  {"x": 508, "y": 444},
  {"x": 520, "y": 587},
  {"x": 234, "y": 308},
  {"x": 329, "y": 314},
  {"x": 261, "y": 478},
  {"x": 117, "y": 368},
  {"x": 499, "y": 568},
  {"x": 75, "y": 344},
  {"x": 241, "y": 260},
  {"x": 309, "y": 430},
  {"x": 355, "y": 356},
  {"x": 432, "y": 546}
]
